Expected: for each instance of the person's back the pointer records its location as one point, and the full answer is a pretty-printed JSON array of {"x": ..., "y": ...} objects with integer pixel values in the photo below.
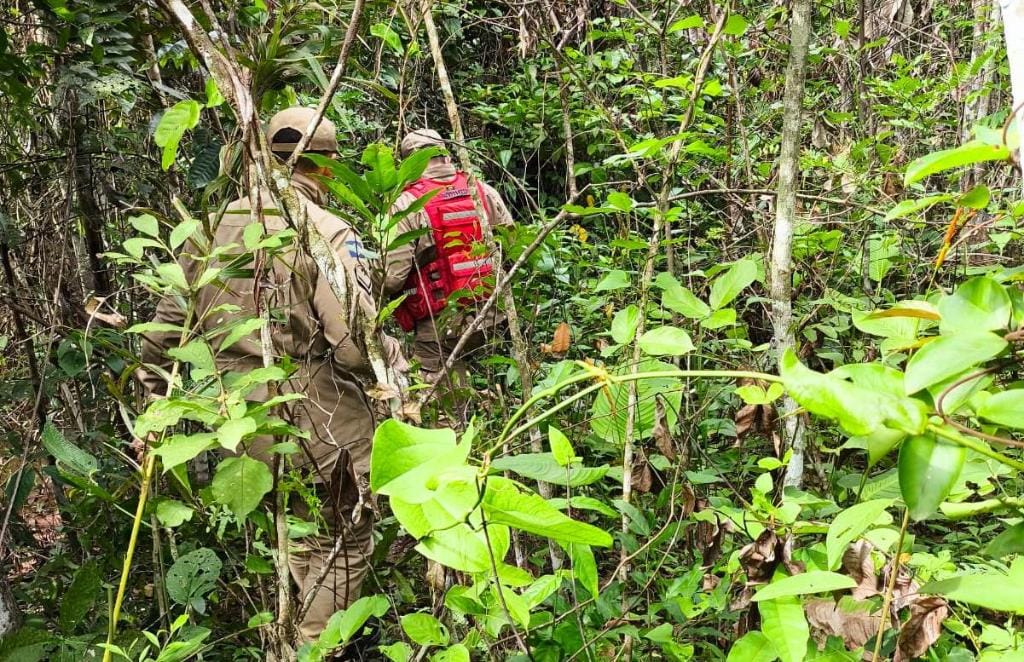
[{"x": 404, "y": 266}]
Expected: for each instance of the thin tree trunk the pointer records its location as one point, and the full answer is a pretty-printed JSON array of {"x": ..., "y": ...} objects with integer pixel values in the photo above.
[
  {"x": 1013, "y": 30},
  {"x": 781, "y": 268}
]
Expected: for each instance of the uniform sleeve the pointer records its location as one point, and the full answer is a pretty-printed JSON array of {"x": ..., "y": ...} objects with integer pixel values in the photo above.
[
  {"x": 337, "y": 321},
  {"x": 500, "y": 215},
  {"x": 398, "y": 262},
  {"x": 155, "y": 344}
]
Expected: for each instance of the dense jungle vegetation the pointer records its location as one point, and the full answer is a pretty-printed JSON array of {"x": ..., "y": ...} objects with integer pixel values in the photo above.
[{"x": 760, "y": 396}]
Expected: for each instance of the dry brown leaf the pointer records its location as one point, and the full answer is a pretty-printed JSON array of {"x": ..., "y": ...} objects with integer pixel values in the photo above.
[
  {"x": 560, "y": 343},
  {"x": 662, "y": 435},
  {"x": 852, "y": 622},
  {"x": 859, "y": 565},
  {"x": 745, "y": 418},
  {"x": 922, "y": 628},
  {"x": 643, "y": 476},
  {"x": 792, "y": 567},
  {"x": 758, "y": 559},
  {"x": 113, "y": 318}
]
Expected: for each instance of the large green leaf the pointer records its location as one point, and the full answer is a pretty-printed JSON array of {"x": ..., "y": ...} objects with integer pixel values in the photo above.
[
  {"x": 544, "y": 467},
  {"x": 1004, "y": 408},
  {"x": 506, "y": 502},
  {"x": 858, "y": 409},
  {"x": 727, "y": 287},
  {"x": 424, "y": 629},
  {"x": 928, "y": 469},
  {"x": 381, "y": 174},
  {"x": 175, "y": 121},
  {"x": 608, "y": 415},
  {"x": 69, "y": 456},
  {"x": 814, "y": 581},
  {"x": 1010, "y": 541},
  {"x": 980, "y": 304},
  {"x": 192, "y": 576},
  {"x": 404, "y": 459},
  {"x": 455, "y": 497},
  {"x": 181, "y": 448},
  {"x": 464, "y": 549},
  {"x": 992, "y": 590},
  {"x": 950, "y": 355},
  {"x": 680, "y": 300},
  {"x": 905, "y": 207},
  {"x": 784, "y": 623},
  {"x": 344, "y": 624},
  {"x": 241, "y": 483},
  {"x": 752, "y": 647},
  {"x": 947, "y": 159},
  {"x": 848, "y": 525},
  {"x": 624, "y": 324},
  {"x": 666, "y": 340},
  {"x": 78, "y": 599}
]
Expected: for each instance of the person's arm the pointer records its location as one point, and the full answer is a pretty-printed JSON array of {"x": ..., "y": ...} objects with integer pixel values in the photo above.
[
  {"x": 399, "y": 261},
  {"x": 337, "y": 322},
  {"x": 499, "y": 213}
]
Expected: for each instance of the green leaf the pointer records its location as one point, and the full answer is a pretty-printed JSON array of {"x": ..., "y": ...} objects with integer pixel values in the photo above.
[
  {"x": 397, "y": 652},
  {"x": 78, "y": 599},
  {"x": 240, "y": 330},
  {"x": 689, "y": 23},
  {"x": 616, "y": 279},
  {"x": 966, "y": 154},
  {"x": 241, "y": 483},
  {"x": 454, "y": 653},
  {"x": 388, "y": 36},
  {"x": 180, "y": 448},
  {"x": 344, "y": 624},
  {"x": 735, "y": 25},
  {"x": 173, "y": 513},
  {"x": 172, "y": 274},
  {"x": 404, "y": 458},
  {"x": 727, "y": 287},
  {"x": 950, "y": 355},
  {"x": 466, "y": 549},
  {"x": 680, "y": 300},
  {"x": 814, "y": 581},
  {"x": 561, "y": 448},
  {"x": 907, "y": 207},
  {"x": 193, "y": 576},
  {"x": 752, "y": 647},
  {"x": 424, "y": 629},
  {"x": 608, "y": 414},
  {"x": 213, "y": 96},
  {"x": 69, "y": 457},
  {"x": 928, "y": 469},
  {"x": 624, "y": 324},
  {"x": 784, "y": 623},
  {"x": 620, "y": 201},
  {"x": 196, "y": 353},
  {"x": 506, "y": 502},
  {"x": 1010, "y": 541},
  {"x": 1004, "y": 408},
  {"x": 146, "y": 224},
  {"x": 666, "y": 340},
  {"x": 544, "y": 467},
  {"x": 848, "y": 525},
  {"x": 991, "y": 590},
  {"x": 231, "y": 432},
  {"x": 859, "y": 410},
  {"x": 720, "y": 318},
  {"x": 382, "y": 175},
  {"x": 584, "y": 568},
  {"x": 178, "y": 119},
  {"x": 980, "y": 304},
  {"x": 182, "y": 231},
  {"x": 976, "y": 198}
]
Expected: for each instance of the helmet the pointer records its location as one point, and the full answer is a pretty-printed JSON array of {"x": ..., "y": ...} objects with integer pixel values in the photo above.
[
  {"x": 297, "y": 119},
  {"x": 419, "y": 139}
]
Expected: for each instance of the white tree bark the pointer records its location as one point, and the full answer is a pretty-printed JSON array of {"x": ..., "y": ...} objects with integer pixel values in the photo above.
[
  {"x": 781, "y": 267},
  {"x": 1013, "y": 30}
]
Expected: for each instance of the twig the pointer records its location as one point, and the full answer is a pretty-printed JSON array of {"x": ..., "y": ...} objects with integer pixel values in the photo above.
[{"x": 887, "y": 599}]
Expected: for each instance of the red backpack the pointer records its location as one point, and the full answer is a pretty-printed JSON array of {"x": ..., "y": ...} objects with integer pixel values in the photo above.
[{"x": 460, "y": 265}]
